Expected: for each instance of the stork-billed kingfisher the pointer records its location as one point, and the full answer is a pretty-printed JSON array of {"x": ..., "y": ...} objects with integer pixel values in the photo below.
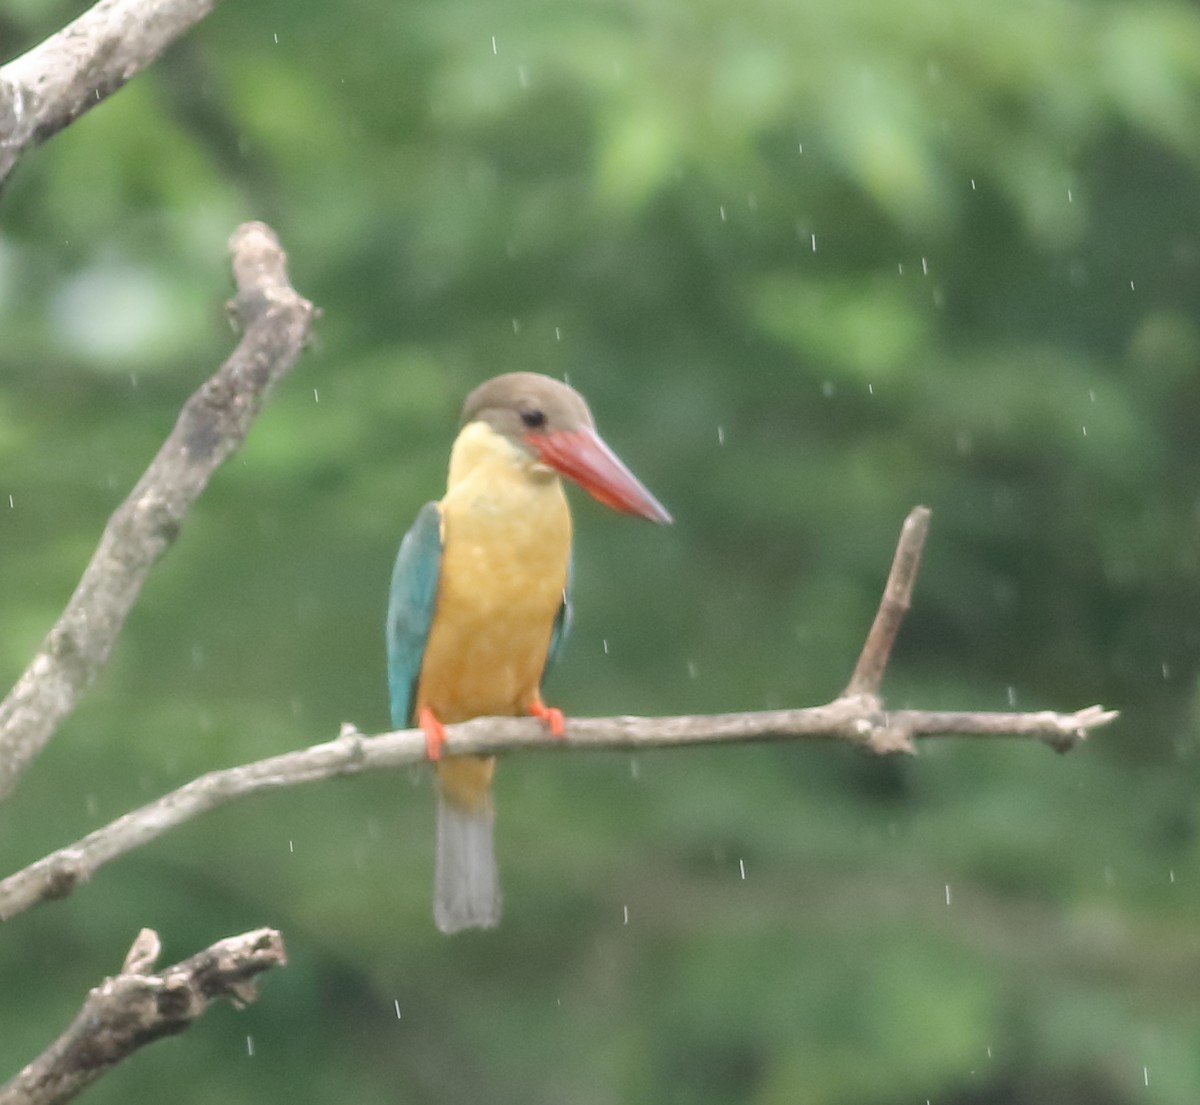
[{"x": 479, "y": 608}]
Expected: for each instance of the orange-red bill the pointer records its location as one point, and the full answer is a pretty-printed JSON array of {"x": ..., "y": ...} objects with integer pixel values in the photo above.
[{"x": 582, "y": 456}]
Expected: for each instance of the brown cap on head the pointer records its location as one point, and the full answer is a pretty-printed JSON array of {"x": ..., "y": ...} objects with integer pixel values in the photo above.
[
  {"x": 522, "y": 403},
  {"x": 552, "y": 422}
]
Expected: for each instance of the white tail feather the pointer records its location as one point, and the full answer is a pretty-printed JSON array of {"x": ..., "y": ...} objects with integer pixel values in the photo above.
[{"x": 466, "y": 883}]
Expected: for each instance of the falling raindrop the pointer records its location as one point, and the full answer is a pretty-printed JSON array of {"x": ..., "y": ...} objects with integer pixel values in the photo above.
[
  {"x": 493, "y": 45},
  {"x": 396, "y": 1003},
  {"x": 626, "y": 908},
  {"x": 813, "y": 239},
  {"x": 692, "y": 670},
  {"x": 250, "y": 1045},
  {"x": 516, "y": 323},
  {"x": 604, "y": 642},
  {"x": 1012, "y": 697},
  {"x": 316, "y": 396},
  {"x": 557, "y": 334},
  {"x": 947, "y": 893},
  {"x": 721, "y": 208},
  {"x": 292, "y": 847},
  {"x": 924, "y": 266},
  {"x": 742, "y": 869},
  {"x": 720, "y": 435}
]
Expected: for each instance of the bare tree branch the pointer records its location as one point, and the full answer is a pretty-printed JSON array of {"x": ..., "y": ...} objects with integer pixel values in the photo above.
[
  {"x": 897, "y": 597},
  {"x": 856, "y": 718},
  {"x": 858, "y": 721},
  {"x": 136, "y": 1008},
  {"x": 212, "y": 425},
  {"x": 59, "y": 79}
]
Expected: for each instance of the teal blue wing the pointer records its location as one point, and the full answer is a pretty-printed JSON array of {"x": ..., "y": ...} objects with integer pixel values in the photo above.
[
  {"x": 562, "y": 626},
  {"x": 411, "y": 602}
]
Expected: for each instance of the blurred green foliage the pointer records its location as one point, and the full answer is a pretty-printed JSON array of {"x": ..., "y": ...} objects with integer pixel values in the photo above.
[{"x": 811, "y": 264}]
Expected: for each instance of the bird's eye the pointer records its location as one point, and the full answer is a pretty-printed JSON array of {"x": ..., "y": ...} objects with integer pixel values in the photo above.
[{"x": 533, "y": 418}]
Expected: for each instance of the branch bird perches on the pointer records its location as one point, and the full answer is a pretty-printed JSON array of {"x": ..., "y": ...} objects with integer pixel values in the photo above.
[{"x": 856, "y": 716}]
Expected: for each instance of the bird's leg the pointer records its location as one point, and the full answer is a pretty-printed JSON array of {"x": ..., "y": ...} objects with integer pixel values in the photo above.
[
  {"x": 551, "y": 715},
  {"x": 435, "y": 733}
]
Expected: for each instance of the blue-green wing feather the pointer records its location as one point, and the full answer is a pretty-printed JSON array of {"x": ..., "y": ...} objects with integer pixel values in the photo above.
[
  {"x": 562, "y": 626},
  {"x": 411, "y": 602}
]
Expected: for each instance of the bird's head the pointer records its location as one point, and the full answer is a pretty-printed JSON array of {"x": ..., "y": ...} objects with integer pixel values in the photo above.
[{"x": 551, "y": 424}]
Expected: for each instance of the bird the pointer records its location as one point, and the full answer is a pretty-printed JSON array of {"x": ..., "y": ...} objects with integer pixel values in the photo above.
[{"x": 479, "y": 604}]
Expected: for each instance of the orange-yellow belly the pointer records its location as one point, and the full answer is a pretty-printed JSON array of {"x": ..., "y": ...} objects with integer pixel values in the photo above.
[
  {"x": 487, "y": 646},
  {"x": 504, "y": 567}
]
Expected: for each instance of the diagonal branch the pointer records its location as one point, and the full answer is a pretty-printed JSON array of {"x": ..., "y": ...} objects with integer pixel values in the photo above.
[
  {"x": 136, "y": 1007},
  {"x": 212, "y": 425},
  {"x": 54, "y": 83}
]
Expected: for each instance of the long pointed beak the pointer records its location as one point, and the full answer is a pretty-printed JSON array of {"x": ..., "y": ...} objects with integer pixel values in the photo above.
[{"x": 582, "y": 456}]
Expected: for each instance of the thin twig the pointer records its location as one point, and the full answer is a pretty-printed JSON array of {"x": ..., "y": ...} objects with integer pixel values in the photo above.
[
  {"x": 858, "y": 721},
  {"x": 897, "y": 597},
  {"x": 135, "y": 1008},
  {"x": 54, "y": 83},
  {"x": 212, "y": 425}
]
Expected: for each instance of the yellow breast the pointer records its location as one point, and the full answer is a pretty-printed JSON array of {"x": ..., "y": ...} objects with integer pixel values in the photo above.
[{"x": 506, "y": 535}]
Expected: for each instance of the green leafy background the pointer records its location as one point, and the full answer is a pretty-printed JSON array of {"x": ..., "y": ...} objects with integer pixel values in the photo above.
[{"x": 812, "y": 264}]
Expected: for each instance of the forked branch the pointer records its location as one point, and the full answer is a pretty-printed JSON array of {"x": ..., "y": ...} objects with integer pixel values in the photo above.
[
  {"x": 856, "y": 717},
  {"x": 139, "y": 1006}
]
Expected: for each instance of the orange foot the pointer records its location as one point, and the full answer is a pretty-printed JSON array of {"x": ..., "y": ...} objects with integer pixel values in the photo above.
[
  {"x": 435, "y": 733},
  {"x": 551, "y": 715}
]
